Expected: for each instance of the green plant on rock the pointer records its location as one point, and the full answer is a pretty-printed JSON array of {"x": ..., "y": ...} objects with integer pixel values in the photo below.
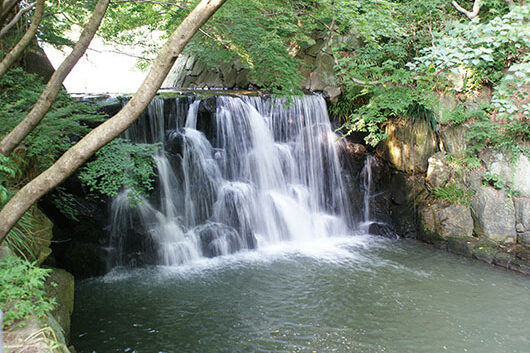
[
  {"x": 461, "y": 114},
  {"x": 22, "y": 291},
  {"x": 453, "y": 194},
  {"x": 462, "y": 161},
  {"x": 493, "y": 179},
  {"x": 121, "y": 164}
]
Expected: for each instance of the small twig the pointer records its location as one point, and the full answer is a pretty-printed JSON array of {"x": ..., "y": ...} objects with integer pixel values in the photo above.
[
  {"x": 116, "y": 51},
  {"x": 154, "y": 2}
]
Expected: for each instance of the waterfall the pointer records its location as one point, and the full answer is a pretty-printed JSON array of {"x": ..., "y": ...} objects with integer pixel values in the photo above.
[
  {"x": 367, "y": 189},
  {"x": 235, "y": 173}
]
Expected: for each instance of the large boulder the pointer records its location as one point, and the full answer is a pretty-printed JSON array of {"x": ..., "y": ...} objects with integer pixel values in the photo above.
[
  {"x": 454, "y": 220},
  {"x": 494, "y": 214},
  {"x": 440, "y": 222},
  {"x": 454, "y": 138},
  {"x": 324, "y": 78}
]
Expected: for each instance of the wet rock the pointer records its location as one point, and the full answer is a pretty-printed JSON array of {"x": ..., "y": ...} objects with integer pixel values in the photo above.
[
  {"x": 442, "y": 222},
  {"x": 408, "y": 194},
  {"x": 382, "y": 229},
  {"x": 84, "y": 259},
  {"x": 461, "y": 245},
  {"x": 219, "y": 239},
  {"x": 484, "y": 250},
  {"x": 428, "y": 227}
]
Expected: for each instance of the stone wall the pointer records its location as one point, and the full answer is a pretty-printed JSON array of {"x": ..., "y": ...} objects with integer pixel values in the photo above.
[{"x": 316, "y": 69}]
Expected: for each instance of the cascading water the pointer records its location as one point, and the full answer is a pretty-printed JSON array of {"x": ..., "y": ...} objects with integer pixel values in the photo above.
[
  {"x": 255, "y": 172},
  {"x": 367, "y": 189}
]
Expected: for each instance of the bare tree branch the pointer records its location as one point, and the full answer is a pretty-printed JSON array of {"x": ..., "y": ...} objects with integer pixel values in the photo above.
[
  {"x": 15, "y": 19},
  {"x": 117, "y": 51},
  {"x": 469, "y": 14},
  {"x": 154, "y": 2}
]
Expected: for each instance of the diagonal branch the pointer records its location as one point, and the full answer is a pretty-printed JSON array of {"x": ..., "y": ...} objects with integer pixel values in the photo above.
[
  {"x": 469, "y": 14},
  {"x": 26, "y": 39},
  {"x": 112, "y": 128},
  {"x": 15, "y": 19},
  {"x": 47, "y": 97}
]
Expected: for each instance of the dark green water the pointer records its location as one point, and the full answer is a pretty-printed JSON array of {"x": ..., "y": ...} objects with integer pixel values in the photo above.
[{"x": 361, "y": 294}]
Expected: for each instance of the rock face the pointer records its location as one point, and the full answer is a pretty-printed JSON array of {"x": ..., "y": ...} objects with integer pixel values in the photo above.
[
  {"x": 516, "y": 175},
  {"x": 50, "y": 334},
  {"x": 60, "y": 285},
  {"x": 409, "y": 146},
  {"x": 445, "y": 221},
  {"x": 494, "y": 227},
  {"x": 494, "y": 214},
  {"x": 42, "y": 235},
  {"x": 438, "y": 173},
  {"x": 522, "y": 216},
  {"x": 408, "y": 194}
]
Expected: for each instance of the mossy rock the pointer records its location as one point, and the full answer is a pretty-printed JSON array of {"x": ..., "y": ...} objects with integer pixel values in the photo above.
[
  {"x": 461, "y": 245},
  {"x": 60, "y": 285},
  {"x": 485, "y": 250},
  {"x": 502, "y": 259}
]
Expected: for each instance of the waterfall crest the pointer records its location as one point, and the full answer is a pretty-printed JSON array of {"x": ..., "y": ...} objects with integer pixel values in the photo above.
[{"x": 235, "y": 173}]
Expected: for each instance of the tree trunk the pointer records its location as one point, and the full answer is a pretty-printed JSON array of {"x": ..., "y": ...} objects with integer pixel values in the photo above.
[
  {"x": 18, "y": 49},
  {"x": 47, "y": 97},
  {"x": 106, "y": 132}
]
